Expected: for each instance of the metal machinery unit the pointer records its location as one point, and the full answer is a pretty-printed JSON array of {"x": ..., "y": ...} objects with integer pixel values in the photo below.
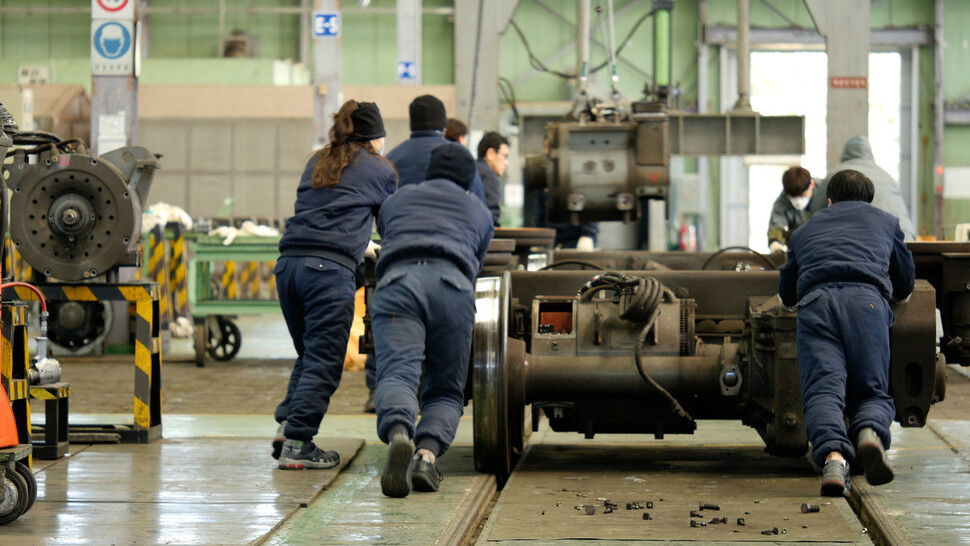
[
  {"x": 653, "y": 351},
  {"x": 78, "y": 219}
]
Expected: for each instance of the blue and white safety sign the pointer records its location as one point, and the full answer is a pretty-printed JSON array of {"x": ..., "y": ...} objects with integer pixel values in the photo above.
[
  {"x": 407, "y": 70},
  {"x": 112, "y": 48},
  {"x": 326, "y": 25}
]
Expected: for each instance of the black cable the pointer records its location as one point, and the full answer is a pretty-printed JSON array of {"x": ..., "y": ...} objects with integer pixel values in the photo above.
[
  {"x": 752, "y": 251},
  {"x": 625, "y": 42},
  {"x": 535, "y": 61},
  {"x": 590, "y": 265},
  {"x": 509, "y": 93}
]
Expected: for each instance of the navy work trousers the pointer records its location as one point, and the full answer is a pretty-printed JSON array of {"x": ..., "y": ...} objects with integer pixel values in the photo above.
[
  {"x": 843, "y": 361},
  {"x": 423, "y": 311},
  {"x": 317, "y": 298}
]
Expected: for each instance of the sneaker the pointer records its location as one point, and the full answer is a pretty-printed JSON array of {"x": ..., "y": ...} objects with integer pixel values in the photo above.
[
  {"x": 396, "y": 479},
  {"x": 835, "y": 478},
  {"x": 872, "y": 457},
  {"x": 297, "y": 455},
  {"x": 278, "y": 440},
  {"x": 369, "y": 404},
  {"x": 425, "y": 475}
]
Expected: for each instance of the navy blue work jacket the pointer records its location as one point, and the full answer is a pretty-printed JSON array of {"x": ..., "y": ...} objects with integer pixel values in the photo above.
[{"x": 411, "y": 159}]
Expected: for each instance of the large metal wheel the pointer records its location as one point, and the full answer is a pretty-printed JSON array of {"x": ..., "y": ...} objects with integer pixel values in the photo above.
[
  {"x": 28, "y": 477},
  {"x": 76, "y": 217},
  {"x": 79, "y": 326},
  {"x": 15, "y": 497},
  {"x": 490, "y": 395}
]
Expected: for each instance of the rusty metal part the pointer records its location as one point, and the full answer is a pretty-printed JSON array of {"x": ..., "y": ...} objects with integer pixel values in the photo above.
[{"x": 810, "y": 508}]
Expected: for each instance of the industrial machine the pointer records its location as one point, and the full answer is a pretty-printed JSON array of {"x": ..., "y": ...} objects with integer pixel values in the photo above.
[{"x": 78, "y": 219}]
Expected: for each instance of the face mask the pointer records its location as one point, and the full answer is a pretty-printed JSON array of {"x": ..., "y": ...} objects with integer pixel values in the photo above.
[{"x": 800, "y": 203}]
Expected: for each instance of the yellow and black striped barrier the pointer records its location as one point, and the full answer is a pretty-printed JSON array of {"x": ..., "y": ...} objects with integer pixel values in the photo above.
[
  {"x": 158, "y": 272},
  {"x": 178, "y": 272},
  {"x": 228, "y": 282},
  {"x": 56, "y": 441},
  {"x": 15, "y": 362},
  {"x": 148, "y": 346}
]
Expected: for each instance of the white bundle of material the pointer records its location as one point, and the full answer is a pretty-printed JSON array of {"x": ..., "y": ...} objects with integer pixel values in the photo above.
[
  {"x": 163, "y": 213},
  {"x": 248, "y": 228}
]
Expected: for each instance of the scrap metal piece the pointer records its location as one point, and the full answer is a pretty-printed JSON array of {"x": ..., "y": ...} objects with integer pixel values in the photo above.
[{"x": 810, "y": 508}]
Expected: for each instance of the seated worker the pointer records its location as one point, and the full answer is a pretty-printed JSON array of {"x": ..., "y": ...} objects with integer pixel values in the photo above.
[
  {"x": 435, "y": 236},
  {"x": 857, "y": 155},
  {"x": 493, "y": 158},
  {"x": 791, "y": 208},
  {"x": 843, "y": 268}
]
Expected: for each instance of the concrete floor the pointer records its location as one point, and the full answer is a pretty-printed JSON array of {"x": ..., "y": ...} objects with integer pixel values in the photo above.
[{"x": 211, "y": 481}]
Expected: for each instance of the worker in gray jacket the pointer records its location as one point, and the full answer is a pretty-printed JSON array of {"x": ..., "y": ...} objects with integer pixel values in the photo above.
[
  {"x": 857, "y": 156},
  {"x": 791, "y": 208}
]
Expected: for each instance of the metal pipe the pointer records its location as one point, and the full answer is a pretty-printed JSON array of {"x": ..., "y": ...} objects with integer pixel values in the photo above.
[
  {"x": 305, "y": 10},
  {"x": 744, "y": 57},
  {"x": 661, "y": 48},
  {"x": 938, "y": 127},
  {"x": 583, "y": 37},
  {"x": 553, "y": 377}
]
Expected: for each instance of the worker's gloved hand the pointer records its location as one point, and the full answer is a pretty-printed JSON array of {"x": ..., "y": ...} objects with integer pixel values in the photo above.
[
  {"x": 372, "y": 250},
  {"x": 584, "y": 243},
  {"x": 776, "y": 246}
]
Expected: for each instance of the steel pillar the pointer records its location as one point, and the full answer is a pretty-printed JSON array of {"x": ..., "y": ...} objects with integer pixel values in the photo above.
[
  {"x": 477, "y": 26},
  {"x": 326, "y": 73},
  {"x": 845, "y": 25},
  {"x": 409, "y": 63}
]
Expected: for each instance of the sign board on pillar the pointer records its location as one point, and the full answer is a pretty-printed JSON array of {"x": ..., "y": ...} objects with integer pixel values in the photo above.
[
  {"x": 407, "y": 70},
  {"x": 113, "y": 9},
  {"x": 112, "y": 48},
  {"x": 848, "y": 82},
  {"x": 326, "y": 24}
]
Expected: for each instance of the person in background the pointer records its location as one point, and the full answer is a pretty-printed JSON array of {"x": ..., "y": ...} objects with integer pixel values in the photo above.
[
  {"x": 435, "y": 236},
  {"x": 857, "y": 155},
  {"x": 456, "y": 131},
  {"x": 844, "y": 266},
  {"x": 493, "y": 158},
  {"x": 791, "y": 208},
  {"x": 341, "y": 191}
]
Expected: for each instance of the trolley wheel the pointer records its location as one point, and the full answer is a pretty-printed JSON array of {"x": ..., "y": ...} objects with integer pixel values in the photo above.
[
  {"x": 200, "y": 336},
  {"x": 28, "y": 477},
  {"x": 15, "y": 497},
  {"x": 493, "y": 449},
  {"x": 225, "y": 339}
]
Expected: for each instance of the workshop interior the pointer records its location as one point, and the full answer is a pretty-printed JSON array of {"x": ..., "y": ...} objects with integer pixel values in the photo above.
[{"x": 634, "y": 372}]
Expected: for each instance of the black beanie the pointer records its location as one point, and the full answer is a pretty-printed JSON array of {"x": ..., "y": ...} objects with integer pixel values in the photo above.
[
  {"x": 454, "y": 162},
  {"x": 367, "y": 121},
  {"x": 428, "y": 113}
]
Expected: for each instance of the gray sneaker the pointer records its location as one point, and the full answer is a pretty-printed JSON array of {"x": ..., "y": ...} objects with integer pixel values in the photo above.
[
  {"x": 278, "y": 440},
  {"x": 872, "y": 457},
  {"x": 297, "y": 455},
  {"x": 835, "y": 478}
]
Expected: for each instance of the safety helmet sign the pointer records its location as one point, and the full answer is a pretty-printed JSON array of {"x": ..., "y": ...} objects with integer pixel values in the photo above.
[
  {"x": 112, "y": 48},
  {"x": 113, "y": 9}
]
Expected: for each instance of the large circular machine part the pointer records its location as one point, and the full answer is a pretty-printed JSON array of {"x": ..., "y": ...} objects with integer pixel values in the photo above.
[
  {"x": 76, "y": 216},
  {"x": 31, "y": 481},
  {"x": 16, "y": 496},
  {"x": 493, "y": 449},
  {"x": 79, "y": 326}
]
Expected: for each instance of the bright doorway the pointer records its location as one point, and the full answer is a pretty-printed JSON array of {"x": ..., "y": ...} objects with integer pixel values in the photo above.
[{"x": 793, "y": 83}]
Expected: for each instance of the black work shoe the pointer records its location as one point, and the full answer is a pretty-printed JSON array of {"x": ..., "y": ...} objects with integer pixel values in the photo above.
[
  {"x": 872, "y": 457},
  {"x": 369, "y": 404},
  {"x": 425, "y": 475},
  {"x": 396, "y": 479},
  {"x": 835, "y": 478},
  {"x": 278, "y": 440},
  {"x": 297, "y": 455}
]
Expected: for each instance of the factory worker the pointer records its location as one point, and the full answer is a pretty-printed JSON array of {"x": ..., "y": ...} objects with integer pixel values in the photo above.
[
  {"x": 857, "y": 155},
  {"x": 791, "y": 208},
  {"x": 844, "y": 266},
  {"x": 434, "y": 238},
  {"x": 342, "y": 188},
  {"x": 493, "y": 159}
]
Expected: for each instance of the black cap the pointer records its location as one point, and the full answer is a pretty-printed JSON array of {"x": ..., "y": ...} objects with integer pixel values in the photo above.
[
  {"x": 454, "y": 162},
  {"x": 368, "y": 124},
  {"x": 427, "y": 113}
]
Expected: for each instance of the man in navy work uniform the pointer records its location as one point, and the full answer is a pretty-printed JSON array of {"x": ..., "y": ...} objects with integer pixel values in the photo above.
[
  {"x": 843, "y": 268},
  {"x": 493, "y": 158},
  {"x": 434, "y": 238},
  {"x": 410, "y": 158}
]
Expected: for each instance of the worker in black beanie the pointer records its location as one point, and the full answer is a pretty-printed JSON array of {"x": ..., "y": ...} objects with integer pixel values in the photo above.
[
  {"x": 410, "y": 158},
  {"x": 435, "y": 235}
]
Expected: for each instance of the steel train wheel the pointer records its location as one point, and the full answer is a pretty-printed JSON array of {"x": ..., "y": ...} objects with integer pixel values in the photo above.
[
  {"x": 493, "y": 449},
  {"x": 15, "y": 497}
]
